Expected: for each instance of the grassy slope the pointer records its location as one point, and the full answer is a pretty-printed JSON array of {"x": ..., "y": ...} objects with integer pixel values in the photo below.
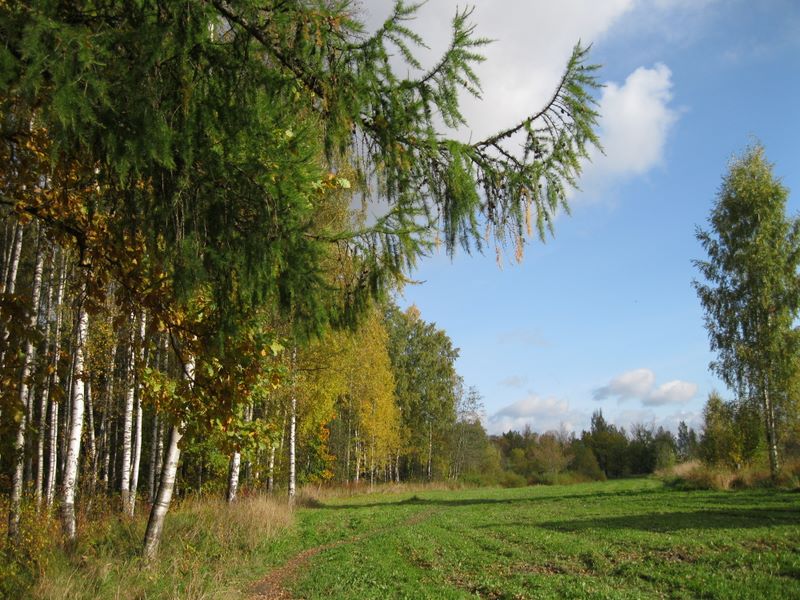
[{"x": 624, "y": 539}]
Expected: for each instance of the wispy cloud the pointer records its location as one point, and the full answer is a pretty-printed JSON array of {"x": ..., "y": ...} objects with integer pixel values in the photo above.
[
  {"x": 522, "y": 337},
  {"x": 514, "y": 381}
]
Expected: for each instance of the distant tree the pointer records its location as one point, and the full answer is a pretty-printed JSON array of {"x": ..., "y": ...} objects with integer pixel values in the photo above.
[
  {"x": 641, "y": 454},
  {"x": 550, "y": 454},
  {"x": 666, "y": 448},
  {"x": 751, "y": 293},
  {"x": 718, "y": 443},
  {"x": 609, "y": 445},
  {"x": 584, "y": 462},
  {"x": 686, "y": 442}
]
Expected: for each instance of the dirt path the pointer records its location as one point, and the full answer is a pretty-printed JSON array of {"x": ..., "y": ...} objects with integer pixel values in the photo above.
[{"x": 273, "y": 586}]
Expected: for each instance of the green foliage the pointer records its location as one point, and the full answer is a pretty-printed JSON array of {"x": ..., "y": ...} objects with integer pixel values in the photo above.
[
  {"x": 751, "y": 296},
  {"x": 423, "y": 360},
  {"x": 732, "y": 432}
]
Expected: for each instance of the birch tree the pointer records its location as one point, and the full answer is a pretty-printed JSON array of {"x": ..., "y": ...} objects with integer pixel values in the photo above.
[
  {"x": 24, "y": 394},
  {"x": 751, "y": 290},
  {"x": 69, "y": 489}
]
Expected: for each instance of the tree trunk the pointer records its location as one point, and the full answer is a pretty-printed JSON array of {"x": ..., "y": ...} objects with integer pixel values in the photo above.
[
  {"x": 158, "y": 512},
  {"x": 45, "y": 395},
  {"x": 151, "y": 476},
  {"x": 292, "y": 447},
  {"x": 76, "y": 422},
  {"x": 293, "y": 432},
  {"x": 24, "y": 400},
  {"x": 91, "y": 441},
  {"x": 127, "y": 431},
  {"x": 357, "y": 451},
  {"x": 10, "y": 282},
  {"x": 137, "y": 440},
  {"x": 13, "y": 261},
  {"x": 271, "y": 476},
  {"x": 772, "y": 442},
  {"x": 233, "y": 476},
  {"x": 430, "y": 451},
  {"x": 50, "y": 487}
]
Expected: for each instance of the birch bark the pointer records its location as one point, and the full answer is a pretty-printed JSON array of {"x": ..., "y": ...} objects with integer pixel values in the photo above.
[
  {"x": 76, "y": 423},
  {"x": 24, "y": 399}
]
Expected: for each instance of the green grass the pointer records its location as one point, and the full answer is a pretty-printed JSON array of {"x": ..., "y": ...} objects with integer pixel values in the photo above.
[
  {"x": 621, "y": 539},
  {"x": 624, "y": 539}
]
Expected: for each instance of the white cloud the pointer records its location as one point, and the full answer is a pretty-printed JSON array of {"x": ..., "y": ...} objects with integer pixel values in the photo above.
[
  {"x": 631, "y": 384},
  {"x": 540, "y": 414},
  {"x": 672, "y": 392},
  {"x": 635, "y": 120},
  {"x": 639, "y": 384}
]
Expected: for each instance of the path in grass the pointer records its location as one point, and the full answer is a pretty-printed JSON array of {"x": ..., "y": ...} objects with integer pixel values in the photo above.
[
  {"x": 624, "y": 539},
  {"x": 273, "y": 586}
]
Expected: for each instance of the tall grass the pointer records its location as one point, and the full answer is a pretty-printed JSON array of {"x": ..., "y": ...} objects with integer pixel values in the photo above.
[
  {"x": 206, "y": 545},
  {"x": 699, "y": 476}
]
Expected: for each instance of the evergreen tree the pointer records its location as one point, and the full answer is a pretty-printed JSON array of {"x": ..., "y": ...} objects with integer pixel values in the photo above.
[{"x": 751, "y": 293}]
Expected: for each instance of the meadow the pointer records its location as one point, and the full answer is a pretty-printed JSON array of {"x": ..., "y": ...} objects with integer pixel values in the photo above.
[{"x": 620, "y": 539}]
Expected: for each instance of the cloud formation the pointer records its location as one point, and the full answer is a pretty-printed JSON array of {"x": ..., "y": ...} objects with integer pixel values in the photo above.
[
  {"x": 635, "y": 120},
  {"x": 639, "y": 384},
  {"x": 540, "y": 414}
]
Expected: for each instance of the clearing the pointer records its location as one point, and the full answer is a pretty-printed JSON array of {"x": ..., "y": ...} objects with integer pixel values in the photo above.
[{"x": 621, "y": 539}]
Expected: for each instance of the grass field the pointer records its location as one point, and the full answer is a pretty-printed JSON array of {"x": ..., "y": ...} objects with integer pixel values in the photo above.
[
  {"x": 621, "y": 539},
  {"x": 625, "y": 539}
]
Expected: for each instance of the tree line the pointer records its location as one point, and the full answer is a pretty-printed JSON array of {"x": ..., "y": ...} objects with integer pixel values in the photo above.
[{"x": 604, "y": 451}]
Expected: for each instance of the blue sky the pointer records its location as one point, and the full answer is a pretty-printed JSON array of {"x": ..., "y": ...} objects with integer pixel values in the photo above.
[{"x": 604, "y": 314}]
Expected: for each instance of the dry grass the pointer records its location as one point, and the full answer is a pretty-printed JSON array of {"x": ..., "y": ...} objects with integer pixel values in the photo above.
[
  {"x": 200, "y": 537},
  {"x": 314, "y": 495},
  {"x": 696, "y": 475}
]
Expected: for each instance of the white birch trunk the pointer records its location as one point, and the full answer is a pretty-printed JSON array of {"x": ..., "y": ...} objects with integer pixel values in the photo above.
[
  {"x": 233, "y": 476},
  {"x": 50, "y": 486},
  {"x": 76, "y": 424},
  {"x": 10, "y": 282},
  {"x": 772, "y": 442},
  {"x": 357, "y": 451},
  {"x": 137, "y": 440},
  {"x": 25, "y": 401},
  {"x": 151, "y": 476},
  {"x": 110, "y": 405},
  {"x": 43, "y": 400},
  {"x": 127, "y": 431},
  {"x": 271, "y": 476},
  {"x": 430, "y": 451},
  {"x": 292, "y": 447},
  {"x": 155, "y": 525},
  {"x": 293, "y": 433}
]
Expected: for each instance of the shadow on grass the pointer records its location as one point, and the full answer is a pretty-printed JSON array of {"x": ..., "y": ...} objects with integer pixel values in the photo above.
[
  {"x": 444, "y": 502},
  {"x": 734, "y": 518}
]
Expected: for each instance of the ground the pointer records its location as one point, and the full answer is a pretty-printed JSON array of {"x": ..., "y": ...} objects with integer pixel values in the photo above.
[{"x": 624, "y": 539}]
